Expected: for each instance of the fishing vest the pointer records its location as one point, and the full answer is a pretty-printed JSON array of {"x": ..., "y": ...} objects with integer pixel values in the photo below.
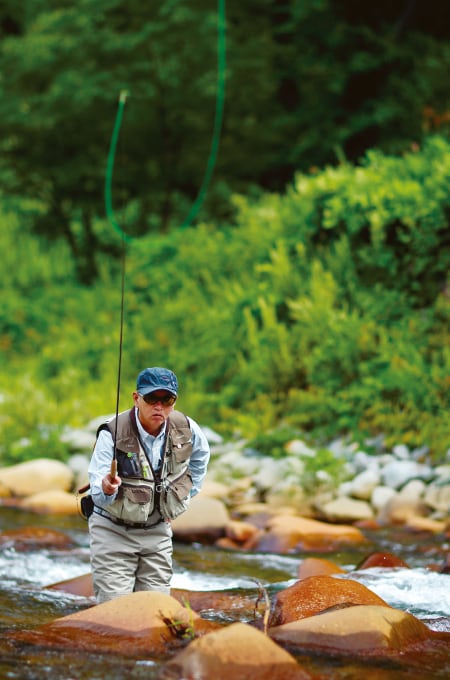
[{"x": 147, "y": 495}]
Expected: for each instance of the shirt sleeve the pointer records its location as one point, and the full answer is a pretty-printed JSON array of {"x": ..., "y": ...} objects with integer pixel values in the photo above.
[
  {"x": 198, "y": 463},
  {"x": 99, "y": 466}
]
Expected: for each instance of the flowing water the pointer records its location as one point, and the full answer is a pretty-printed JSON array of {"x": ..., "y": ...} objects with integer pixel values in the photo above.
[{"x": 26, "y": 603}]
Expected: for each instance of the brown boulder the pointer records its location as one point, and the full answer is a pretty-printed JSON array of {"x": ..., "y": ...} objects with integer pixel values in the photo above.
[
  {"x": 204, "y": 521},
  {"x": 79, "y": 585},
  {"x": 51, "y": 503},
  {"x": 366, "y": 629},
  {"x": 317, "y": 593},
  {"x": 380, "y": 559},
  {"x": 144, "y": 623},
  {"x": 314, "y": 566},
  {"x": 237, "y": 651},
  {"x": 41, "y": 474},
  {"x": 286, "y": 534},
  {"x": 227, "y": 602},
  {"x": 33, "y": 538},
  {"x": 240, "y": 532}
]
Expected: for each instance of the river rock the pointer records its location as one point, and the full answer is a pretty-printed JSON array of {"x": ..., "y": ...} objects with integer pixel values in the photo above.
[
  {"x": 35, "y": 538},
  {"x": 364, "y": 483},
  {"x": 213, "y": 489},
  {"x": 344, "y": 509},
  {"x": 132, "y": 625},
  {"x": 414, "y": 489},
  {"x": 79, "y": 463},
  {"x": 315, "y": 566},
  {"x": 205, "y": 521},
  {"x": 286, "y": 533},
  {"x": 369, "y": 629},
  {"x": 51, "y": 503},
  {"x": 5, "y": 492},
  {"x": 438, "y": 497},
  {"x": 312, "y": 595},
  {"x": 419, "y": 524},
  {"x": 380, "y": 496},
  {"x": 237, "y": 651},
  {"x": 41, "y": 474},
  {"x": 398, "y": 472},
  {"x": 79, "y": 585},
  {"x": 399, "y": 510},
  {"x": 380, "y": 559},
  {"x": 240, "y": 532}
]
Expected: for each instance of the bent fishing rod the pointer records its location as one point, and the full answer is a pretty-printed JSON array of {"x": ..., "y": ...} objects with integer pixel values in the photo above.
[
  {"x": 218, "y": 120},
  {"x": 110, "y": 214}
]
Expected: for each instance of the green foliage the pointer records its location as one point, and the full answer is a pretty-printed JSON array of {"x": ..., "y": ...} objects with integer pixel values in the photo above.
[
  {"x": 273, "y": 443},
  {"x": 323, "y": 471},
  {"x": 311, "y": 312},
  {"x": 41, "y": 443}
]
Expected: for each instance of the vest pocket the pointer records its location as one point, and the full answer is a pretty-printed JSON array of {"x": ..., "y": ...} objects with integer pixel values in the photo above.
[
  {"x": 175, "y": 496},
  {"x": 181, "y": 441},
  {"x": 134, "y": 503}
]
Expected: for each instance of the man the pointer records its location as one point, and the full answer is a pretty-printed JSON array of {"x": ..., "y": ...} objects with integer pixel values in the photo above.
[{"x": 161, "y": 458}]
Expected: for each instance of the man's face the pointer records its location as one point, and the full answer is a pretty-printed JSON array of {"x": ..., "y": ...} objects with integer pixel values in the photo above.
[{"x": 154, "y": 408}]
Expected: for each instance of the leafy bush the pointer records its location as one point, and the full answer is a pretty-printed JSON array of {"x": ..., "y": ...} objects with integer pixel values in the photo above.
[{"x": 324, "y": 310}]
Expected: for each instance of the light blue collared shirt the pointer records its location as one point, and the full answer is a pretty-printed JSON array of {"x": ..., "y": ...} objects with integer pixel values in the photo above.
[{"x": 100, "y": 464}]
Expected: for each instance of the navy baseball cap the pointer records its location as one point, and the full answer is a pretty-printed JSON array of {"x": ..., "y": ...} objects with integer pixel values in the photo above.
[{"x": 156, "y": 378}]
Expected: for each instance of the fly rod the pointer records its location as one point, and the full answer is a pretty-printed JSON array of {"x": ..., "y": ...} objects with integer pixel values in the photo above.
[{"x": 109, "y": 211}]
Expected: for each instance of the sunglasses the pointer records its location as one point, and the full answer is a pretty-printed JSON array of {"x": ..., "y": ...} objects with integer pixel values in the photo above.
[{"x": 164, "y": 399}]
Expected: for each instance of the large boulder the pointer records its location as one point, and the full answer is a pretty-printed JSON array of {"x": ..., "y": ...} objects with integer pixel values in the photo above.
[
  {"x": 204, "y": 521},
  {"x": 79, "y": 585},
  {"x": 51, "y": 503},
  {"x": 41, "y": 474},
  {"x": 286, "y": 534},
  {"x": 313, "y": 595},
  {"x": 148, "y": 623},
  {"x": 345, "y": 509},
  {"x": 364, "y": 629},
  {"x": 238, "y": 651},
  {"x": 382, "y": 559},
  {"x": 398, "y": 472}
]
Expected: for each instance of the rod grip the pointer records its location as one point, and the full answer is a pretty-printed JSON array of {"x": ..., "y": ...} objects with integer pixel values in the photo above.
[{"x": 113, "y": 470}]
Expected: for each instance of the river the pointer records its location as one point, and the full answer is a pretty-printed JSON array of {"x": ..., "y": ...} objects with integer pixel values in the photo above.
[{"x": 26, "y": 603}]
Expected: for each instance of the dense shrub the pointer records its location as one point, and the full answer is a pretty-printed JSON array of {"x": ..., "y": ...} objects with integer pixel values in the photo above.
[{"x": 325, "y": 309}]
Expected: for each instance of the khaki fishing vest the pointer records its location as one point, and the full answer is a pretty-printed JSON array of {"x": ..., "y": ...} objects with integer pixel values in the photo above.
[{"x": 145, "y": 494}]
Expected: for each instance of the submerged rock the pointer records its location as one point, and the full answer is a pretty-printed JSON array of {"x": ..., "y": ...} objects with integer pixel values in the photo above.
[
  {"x": 140, "y": 623},
  {"x": 35, "y": 538},
  {"x": 380, "y": 559}
]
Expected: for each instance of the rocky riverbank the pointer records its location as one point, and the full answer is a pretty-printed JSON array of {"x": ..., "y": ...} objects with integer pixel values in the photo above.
[
  {"x": 400, "y": 486},
  {"x": 256, "y": 502}
]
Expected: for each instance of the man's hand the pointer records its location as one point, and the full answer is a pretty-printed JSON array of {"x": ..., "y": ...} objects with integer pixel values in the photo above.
[{"x": 110, "y": 484}]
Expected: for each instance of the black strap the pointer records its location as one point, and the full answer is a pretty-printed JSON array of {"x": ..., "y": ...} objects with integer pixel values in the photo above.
[{"x": 121, "y": 522}]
